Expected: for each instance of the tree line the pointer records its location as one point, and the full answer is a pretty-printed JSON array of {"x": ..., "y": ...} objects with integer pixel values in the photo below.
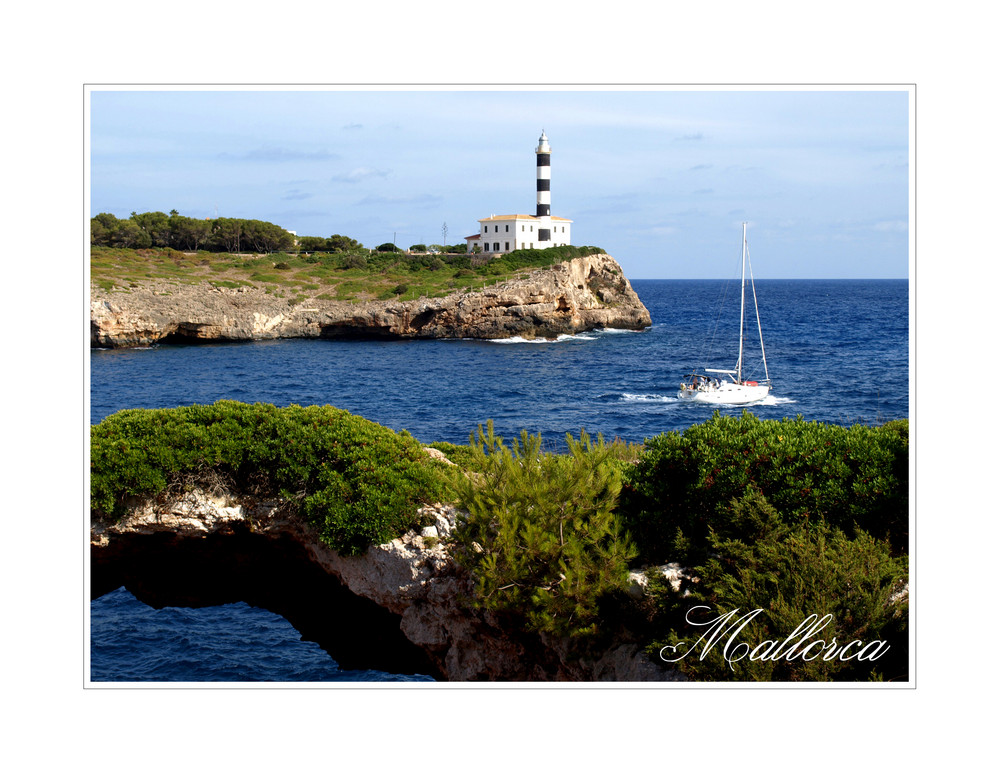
[{"x": 222, "y": 234}]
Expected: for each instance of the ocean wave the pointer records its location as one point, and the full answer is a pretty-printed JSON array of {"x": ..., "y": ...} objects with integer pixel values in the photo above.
[{"x": 562, "y": 337}]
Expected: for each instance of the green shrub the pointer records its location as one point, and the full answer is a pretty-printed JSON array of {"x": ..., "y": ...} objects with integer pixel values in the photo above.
[
  {"x": 459, "y": 263},
  {"x": 536, "y": 258},
  {"x": 542, "y": 540},
  {"x": 788, "y": 572},
  {"x": 849, "y": 478},
  {"x": 354, "y": 260},
  {"x": 359, "y": 483}
]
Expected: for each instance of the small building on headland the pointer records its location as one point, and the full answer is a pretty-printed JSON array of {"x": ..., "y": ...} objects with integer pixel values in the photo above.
[{"x": 505, "y": 233}]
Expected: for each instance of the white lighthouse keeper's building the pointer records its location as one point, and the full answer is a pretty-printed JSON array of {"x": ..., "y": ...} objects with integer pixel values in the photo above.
[{"x": 505, "y": 233}]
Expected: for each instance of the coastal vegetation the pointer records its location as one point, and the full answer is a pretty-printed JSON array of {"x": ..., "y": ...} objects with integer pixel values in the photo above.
[
  {"x": 791, "y": 517},
  {"x": 850, "y": 478},
  {"x": 782, "y": 519},
  {"x": 542, "y": 538},
  {"x": 357, "y": 482},
  {"x": 344, "y": 276},
  {"x": 230, "y": 252}
]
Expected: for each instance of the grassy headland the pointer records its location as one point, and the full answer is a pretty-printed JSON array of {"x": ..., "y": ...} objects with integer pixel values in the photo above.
[{"x": 358, "y": 275}]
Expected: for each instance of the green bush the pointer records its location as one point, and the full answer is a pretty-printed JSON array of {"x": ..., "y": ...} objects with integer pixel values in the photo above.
[
  {"x": 788, "y": 572},
  {"x": 354, "y": 260},
  {"x": 359, "y": 483},
  {"x": 542, "y": 540},
  {"x": 536, "y": 258},
  {"x": 791, "y": 518},
  {"x": 848, "y": 478},
  {"x": 458, "y": 262}
]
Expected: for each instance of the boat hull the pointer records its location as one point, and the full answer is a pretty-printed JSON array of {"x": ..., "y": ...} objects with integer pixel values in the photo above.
[{"x": 726, "y": 394}]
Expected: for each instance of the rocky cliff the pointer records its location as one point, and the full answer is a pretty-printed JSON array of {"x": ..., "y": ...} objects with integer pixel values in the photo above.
[
  {"x": 401, "y": 607},
  {"x": 570, "y": 297}
]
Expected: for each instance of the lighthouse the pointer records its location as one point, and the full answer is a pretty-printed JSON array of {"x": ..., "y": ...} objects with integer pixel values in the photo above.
[
  {"x": 543, "y": 187},
  {"x": 505, "y": 233}
]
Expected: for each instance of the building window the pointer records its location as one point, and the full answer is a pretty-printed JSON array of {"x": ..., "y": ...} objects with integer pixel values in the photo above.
[
  {"x": 496, "y": 228},
  {"x": 506, "y": 246},
  {"x": 506, "y": 228}
]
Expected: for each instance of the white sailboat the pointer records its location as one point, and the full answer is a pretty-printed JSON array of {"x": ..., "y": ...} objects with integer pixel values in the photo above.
[{"x": 730, "y": 387}]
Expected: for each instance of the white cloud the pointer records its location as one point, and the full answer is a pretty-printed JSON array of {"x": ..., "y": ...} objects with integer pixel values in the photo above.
[
  {"x": 273, "y": 153},
  {"x": 358, "y": 174}
]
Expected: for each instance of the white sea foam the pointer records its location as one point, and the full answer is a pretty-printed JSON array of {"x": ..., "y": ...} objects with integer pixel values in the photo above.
[
  {"x": 589, "y": 335},
  {"x": 630, "y": 398},
  {"x": 561, "y": 338}
]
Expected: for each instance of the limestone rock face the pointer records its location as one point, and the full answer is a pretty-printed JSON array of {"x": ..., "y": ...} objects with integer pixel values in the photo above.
[
  {"x": 571, "y": 297},
  {"x": 412, "y": 578}
]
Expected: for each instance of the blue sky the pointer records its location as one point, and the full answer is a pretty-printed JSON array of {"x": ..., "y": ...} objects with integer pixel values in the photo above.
[{"x": 661, "y": 179}]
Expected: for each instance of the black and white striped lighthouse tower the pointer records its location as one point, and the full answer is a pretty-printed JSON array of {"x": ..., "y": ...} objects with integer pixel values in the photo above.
[{"x": 543, "y": 182}]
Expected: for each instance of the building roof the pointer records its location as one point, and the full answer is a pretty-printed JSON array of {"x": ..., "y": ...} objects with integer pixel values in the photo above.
[
  {"x": 521, "y": 217},
  {"x": 474, "y": 236}
]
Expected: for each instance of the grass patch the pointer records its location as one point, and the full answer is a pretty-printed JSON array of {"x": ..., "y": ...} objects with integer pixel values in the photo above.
[{"x": 258, "y": 276}]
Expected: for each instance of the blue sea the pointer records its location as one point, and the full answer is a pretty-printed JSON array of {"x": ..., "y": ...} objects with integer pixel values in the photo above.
[{"x": 837, "y": 352}]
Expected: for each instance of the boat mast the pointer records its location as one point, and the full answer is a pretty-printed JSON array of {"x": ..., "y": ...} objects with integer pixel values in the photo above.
[{"x": 743, "y": 291}]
